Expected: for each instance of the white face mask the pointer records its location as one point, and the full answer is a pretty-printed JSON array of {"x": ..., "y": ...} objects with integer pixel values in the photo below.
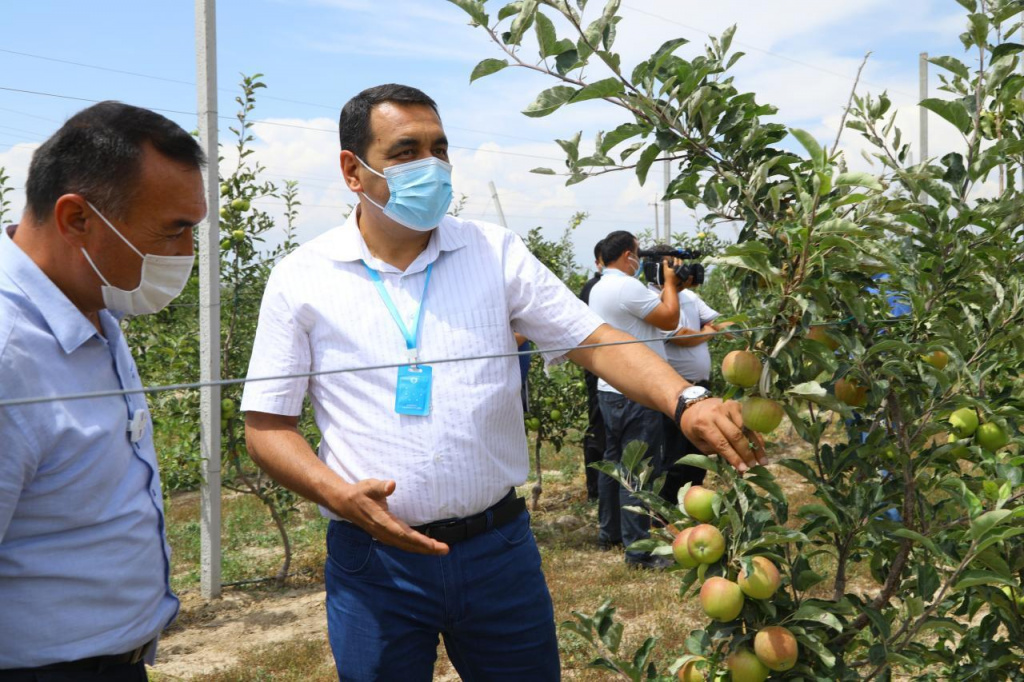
[{"x": 163, "y": 278}]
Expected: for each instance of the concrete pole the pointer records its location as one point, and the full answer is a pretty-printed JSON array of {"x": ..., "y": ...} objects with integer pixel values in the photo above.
[
  {"x": 668, "y": 204},
  {"x": 923, "y": 95},
  {"x": 497, "y": 204},
  {"x": 209, "y": 303}
]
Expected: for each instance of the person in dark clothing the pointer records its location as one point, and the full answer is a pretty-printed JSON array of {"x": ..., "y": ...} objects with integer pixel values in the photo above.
[{"x": 593, "y": 440}]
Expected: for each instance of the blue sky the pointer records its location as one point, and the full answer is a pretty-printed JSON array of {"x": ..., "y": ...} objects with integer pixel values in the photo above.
[{"x": 315, "y": 54}]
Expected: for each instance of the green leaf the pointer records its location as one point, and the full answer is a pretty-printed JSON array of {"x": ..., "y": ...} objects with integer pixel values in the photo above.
[
  {"x": 487, "y": 67},
  {"x": 623, "y": 132},
  {"x": 543, "y": 171},
  {"x": 952, "y": 64},
  {"x": 954, "y": 112},
  {"x": 547, "y": 40},
  {"x": 987, "y": 521},
  {"x": 474, "y": 8},
  {"x": 858, "y": 180},
  {"x": 814, "y": 149},
  {"x": 969, "y": 5},
  {"x": 643, "y": 165},
  {"x": 978, "y": 577},
  {"x": 819, "y": 649},
  {"x": 606, "y": 87},
  {"x": 920, "y": 539},
  {"x": 816, "y": 615},
  {"x": 1004, "y": 49},
  {"x": 567, "y": 61},
  {"x": 549, "y": 101}
]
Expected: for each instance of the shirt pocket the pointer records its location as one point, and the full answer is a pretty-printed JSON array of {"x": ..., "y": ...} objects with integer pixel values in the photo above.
[{"x": 480, "y": 331}]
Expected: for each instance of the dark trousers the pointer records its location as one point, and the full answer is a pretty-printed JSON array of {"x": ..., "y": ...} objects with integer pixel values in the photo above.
[
  {"x": 626, "y": 421},
  {"x": 593, "y": 440},
  {"x": 678, "y": 446},
  {"x": 125, "y": 672}
]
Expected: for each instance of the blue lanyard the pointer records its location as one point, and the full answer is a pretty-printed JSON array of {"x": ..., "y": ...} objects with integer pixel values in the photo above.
[{"x": 410, "y": 336}]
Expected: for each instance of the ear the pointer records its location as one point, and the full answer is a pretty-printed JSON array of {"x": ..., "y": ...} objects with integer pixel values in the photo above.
[
  {"x": 71, "y": 214},
  {"x": 350, "y": 167}
]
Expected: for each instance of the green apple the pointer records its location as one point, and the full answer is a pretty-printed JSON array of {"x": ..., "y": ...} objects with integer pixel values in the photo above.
[
  {"x": 698, "y": 503},
  {"x": 764, "y": 581},
  {"x": 851, "y": 392},
  {"x": 533, "y": 423},
  {"x": 556, "y": 415},
  {"x": 761, "y": 414},
  {"x": 705, "y": 543},
  {"x": 721, "y": 599},
  {"x": 690, "y": 672},
  {"x": 937, "y": 359},
  {"x": 745, "y": 667},
  {"x": 225, "y": 212},
  {"x": 776, "y": 647},
  {"x": 741, "y": 368},
  {"x": 964, "y": 422},
  {"x": 991, "y": 436},
  {"x": 227, "y": 407},
  {"x": 681, "y": 551},
  {"x": 224, "y": 189},
  {"x": 238, "y": 235},
  {"x": 240, "y": 205}
]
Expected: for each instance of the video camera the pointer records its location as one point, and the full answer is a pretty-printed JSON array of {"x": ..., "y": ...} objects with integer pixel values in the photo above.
[{"x": 654, "y": 268}]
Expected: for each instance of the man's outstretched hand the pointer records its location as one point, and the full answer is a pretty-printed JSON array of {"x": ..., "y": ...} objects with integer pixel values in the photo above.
[{"x": 716, "y": 426}]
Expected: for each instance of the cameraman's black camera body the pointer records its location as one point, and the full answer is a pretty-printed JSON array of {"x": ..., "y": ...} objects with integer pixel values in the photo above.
[{"x": 654, "y": 268}]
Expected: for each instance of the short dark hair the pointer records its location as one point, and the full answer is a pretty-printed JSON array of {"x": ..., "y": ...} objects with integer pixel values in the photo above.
[
  {"x": 597, "y": 251},
  {"x": 98, "y": 153},
  {"x": 354, "y": 121},
  {"x": 616, "y": 244}
]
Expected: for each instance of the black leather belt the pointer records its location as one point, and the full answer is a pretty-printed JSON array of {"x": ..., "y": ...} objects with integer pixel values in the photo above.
[
  {"x": 456, "y": 530},
  {"x": 93, "y": 663}
]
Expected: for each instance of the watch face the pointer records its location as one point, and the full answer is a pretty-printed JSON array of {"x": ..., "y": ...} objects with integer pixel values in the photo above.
[{"x": 694, "y": 392}]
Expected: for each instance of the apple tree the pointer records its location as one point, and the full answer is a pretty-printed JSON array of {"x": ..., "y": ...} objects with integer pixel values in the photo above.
[
  {"x": 897, "y": 287},
  {"x": 167, "y": 344}
]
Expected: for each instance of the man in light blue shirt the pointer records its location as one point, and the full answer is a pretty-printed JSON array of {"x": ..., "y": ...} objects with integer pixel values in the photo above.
[{"x": 111, "y": 200}]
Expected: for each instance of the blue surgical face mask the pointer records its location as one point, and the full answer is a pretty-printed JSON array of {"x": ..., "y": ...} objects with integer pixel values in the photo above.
[{"x": 421, "y": 192}]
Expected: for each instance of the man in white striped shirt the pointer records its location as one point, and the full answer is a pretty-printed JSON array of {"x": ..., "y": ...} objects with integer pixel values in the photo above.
[{"x": 417, "y": 464}]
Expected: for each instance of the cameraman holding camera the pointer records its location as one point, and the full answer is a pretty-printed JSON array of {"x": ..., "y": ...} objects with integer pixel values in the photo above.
[
  {"x": 686, "y": 349},
  {"x": 622, "y": 301}
]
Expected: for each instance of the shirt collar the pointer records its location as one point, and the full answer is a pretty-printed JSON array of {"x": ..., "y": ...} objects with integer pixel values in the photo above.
[
  {"x": 69, "y": 326},
  {"x": 348, "y": 244}
]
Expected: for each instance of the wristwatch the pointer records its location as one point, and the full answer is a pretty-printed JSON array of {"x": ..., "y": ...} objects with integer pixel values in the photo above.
[{"x": 689, "y": 396}]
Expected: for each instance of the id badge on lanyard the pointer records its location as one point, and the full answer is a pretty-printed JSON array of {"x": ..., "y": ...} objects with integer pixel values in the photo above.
[{"x": 412, "y": 392}]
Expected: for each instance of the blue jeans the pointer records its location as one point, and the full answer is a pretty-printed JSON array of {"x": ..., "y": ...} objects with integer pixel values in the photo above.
[
  {"x": 626, "y": 421},
  {"x": 487, "y": 598}
]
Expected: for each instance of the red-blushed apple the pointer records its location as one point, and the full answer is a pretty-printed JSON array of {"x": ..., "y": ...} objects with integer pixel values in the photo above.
[
  {"x": 690, "y": 672},
  {"x": 721, "y": 599},
  {"x": 851, "y": 392},
  {"x": 937, "y": 359},
  {"x": 681, "y": 551},
  {"x": 705, "y": 543},
  {"x": 964, "y": 422},
  {"x": 763, "y": 582},
  {"x": 776, "y": 647},
  {"x": 991, "y": 436},
  {"x": 744, "y": 667},
  {"x": 818, "y": 333},
  {"x": 698, "y": 503},
  {"x": 741, "y": 368},
  {"x": 761, "y": 414}
]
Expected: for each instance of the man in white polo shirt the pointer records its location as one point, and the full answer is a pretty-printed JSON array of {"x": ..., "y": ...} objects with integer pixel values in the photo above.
[
  {"x": 625, "y": 303},
  {"x": 417, "y": 463}
]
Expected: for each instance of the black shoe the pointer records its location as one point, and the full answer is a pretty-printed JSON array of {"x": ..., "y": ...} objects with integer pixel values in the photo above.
[
  {"x": 608, "y": 545},
  {"x": 650, "y": 563}
]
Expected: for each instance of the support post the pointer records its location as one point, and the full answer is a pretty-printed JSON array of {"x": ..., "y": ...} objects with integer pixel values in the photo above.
[{"x": 209, "y": 303}]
